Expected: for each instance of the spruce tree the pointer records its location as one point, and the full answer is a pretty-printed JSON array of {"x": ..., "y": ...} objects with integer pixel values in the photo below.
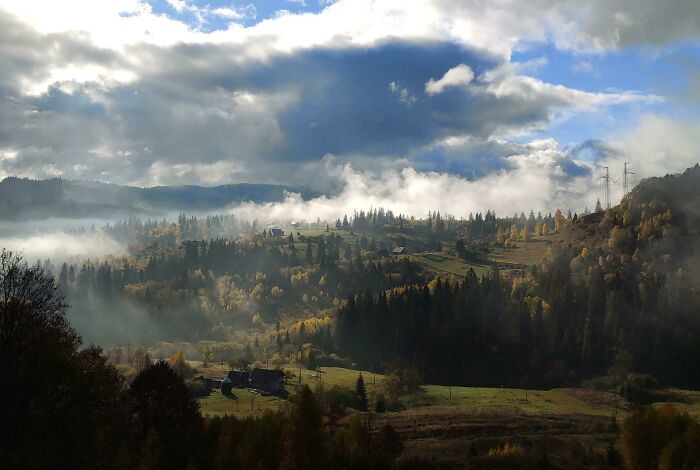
[{"x": 362, "y": 393}]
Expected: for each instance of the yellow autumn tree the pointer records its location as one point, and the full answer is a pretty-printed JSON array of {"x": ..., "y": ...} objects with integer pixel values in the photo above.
[
  {"x": 559, "y": 221},
  {"x": 501, "y": 236},
  {"x": 513, "y": 233},
  {"x": 525, "y": 234}
]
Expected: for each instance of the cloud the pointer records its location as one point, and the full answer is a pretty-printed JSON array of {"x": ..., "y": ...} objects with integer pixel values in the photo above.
[
  {"x": 403, "y": 94},
  {"x": 461, "y": 75},
  {"x": 114, "y": 91},
  {"x": 234, "y": 13},
  {"x": 542, "y": 177},
  {"x": 654, "y": 147}
]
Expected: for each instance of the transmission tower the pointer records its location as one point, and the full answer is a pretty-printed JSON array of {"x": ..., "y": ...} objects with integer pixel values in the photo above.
[
  {"x": 606, "y": 182},
  {"x": 626, "y": 181}
]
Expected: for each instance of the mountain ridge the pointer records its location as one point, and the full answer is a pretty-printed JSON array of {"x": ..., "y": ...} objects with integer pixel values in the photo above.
[{"x": 23, "y": 199}]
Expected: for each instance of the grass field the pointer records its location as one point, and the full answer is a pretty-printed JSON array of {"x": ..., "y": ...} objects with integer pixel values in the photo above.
[
  {"x": 524, "y": 253},
  {"x": 242, "y": 402},
  {"x": 443, "y": 263},
  {"x": 473, "y": 398}
]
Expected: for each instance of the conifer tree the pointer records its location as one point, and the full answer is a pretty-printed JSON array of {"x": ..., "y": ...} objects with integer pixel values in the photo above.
[{"x": 362, "y": 393}]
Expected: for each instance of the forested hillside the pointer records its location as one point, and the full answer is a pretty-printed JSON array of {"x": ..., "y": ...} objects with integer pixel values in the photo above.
[{"x": 625, "y": 298}]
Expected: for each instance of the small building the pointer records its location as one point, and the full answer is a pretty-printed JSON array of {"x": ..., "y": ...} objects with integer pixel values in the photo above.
[
  {"x": 271, "y": 381},
  {"x": 216, "y": 382},
  {"x": 276, "y": 232},
  {"x": 399, "y": 250},
  {"x": 239, "y": 378}
]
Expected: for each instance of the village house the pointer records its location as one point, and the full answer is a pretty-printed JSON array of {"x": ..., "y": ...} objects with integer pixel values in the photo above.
[{"x": 271, "y": 381}]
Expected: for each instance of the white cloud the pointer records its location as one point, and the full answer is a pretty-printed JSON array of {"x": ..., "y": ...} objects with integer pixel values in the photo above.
[
  {"x": 403, "y": 94},
  {"x": 502, "y": 83},
  {"x": 208, "y": 174},
  {"x": 234, "y": 13},
  {"x": 461, "y": 75},
  {"x": 534, "y": 179},
  {"x": 656, "y": 146}
]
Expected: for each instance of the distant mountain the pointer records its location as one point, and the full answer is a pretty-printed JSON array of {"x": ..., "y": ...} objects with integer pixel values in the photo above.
[{"x": 26, "y": 199}]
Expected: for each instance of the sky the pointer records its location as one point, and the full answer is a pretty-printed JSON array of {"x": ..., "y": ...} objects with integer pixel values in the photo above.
[{"x": 415, "y": 105}]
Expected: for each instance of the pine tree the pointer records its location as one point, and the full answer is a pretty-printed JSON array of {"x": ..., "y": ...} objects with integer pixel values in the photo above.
[
  {"x": 598, "y": 206},
  {"x": 362, "y": 393}
]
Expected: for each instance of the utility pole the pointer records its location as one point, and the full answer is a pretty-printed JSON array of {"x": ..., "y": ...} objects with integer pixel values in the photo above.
[
  {"x": 626, "y": 181},
  {"x": 606, "y": 182}
]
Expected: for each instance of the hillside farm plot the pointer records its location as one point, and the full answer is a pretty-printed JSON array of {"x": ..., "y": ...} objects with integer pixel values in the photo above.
[{"x": 444, "y": 263}]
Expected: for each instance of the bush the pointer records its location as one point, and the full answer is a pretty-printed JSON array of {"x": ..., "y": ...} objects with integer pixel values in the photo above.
[
  {"x": 660, "y": 438},
  {"x": 340, "y": 398},
  {"x": 636, "y": 388}
]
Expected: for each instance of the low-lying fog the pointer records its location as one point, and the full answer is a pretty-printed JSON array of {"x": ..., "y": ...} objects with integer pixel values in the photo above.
[{"x": 58, "y": 239}]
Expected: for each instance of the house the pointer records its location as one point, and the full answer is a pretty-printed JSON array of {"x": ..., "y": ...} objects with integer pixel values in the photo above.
[
  {"x": 277, "y": 232},
  {"x": 238, "y": 378},
  {"x": 271, "y": 381},
  {"x": 207, "y": 385},
  {"x": 399, "y": 250}
]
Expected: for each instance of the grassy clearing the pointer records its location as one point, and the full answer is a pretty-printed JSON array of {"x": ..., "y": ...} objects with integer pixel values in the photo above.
[
  {"x": 479, "y": 399},
  {"x": 685, "y": 401},
  {"x": 524, "y": 253},
  {"x": 472, "y": 399},
  {"x": 443, "y": 263},
  {"x": 242, "y": 402}
]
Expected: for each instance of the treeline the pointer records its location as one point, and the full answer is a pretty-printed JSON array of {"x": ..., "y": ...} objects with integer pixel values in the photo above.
[{"x": 153, "y": 234}]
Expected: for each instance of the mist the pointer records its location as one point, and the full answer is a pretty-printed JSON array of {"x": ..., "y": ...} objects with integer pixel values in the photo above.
[
  {"x": 536, "y": 183},
  {"x": 61, "y": 246}
]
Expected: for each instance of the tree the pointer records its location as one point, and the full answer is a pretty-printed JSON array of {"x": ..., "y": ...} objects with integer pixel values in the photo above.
[
  {"x": 513, "y": 233},
  {"x": 598, "y": 206},
  {"x": 179, "y": 364},
  {"x": 539, "y": 229},
  {"x": 525, "y": 234},
  {"x": 660, "y": 438},
  {"x": 166, "y": 418},
  {"x": 559, "y": 221},
  {"x": 361, "y": 393},
  {"x": 306, "y": 442},
  {"x": 500, "y": 236},
  {"x": 59, "y": 407},
  {"x": 30, "y": 306},
  {"x": 207, "y": 355}
]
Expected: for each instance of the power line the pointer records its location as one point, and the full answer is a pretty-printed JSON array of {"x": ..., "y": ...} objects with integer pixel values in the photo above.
[
  {"x": 626, "y": 181},
  {"x": 606, "y": 182}
]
